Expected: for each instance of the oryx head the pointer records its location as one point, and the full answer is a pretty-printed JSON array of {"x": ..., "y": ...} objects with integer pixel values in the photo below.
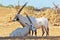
[
  {"x": 16, "y": 18},
  {"x": 31, "y": 26}
]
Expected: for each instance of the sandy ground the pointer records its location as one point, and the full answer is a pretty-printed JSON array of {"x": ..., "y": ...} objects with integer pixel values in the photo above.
[{"x": 7, "y": 27}]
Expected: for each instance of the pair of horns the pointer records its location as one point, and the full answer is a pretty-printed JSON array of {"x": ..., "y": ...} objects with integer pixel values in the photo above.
[{"x": 22, "y": 7}]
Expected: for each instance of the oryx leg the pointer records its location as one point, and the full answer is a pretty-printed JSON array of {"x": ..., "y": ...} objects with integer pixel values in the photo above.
[
  {"x": 36, "y": 32},
  {"x": 43, "y": 31},
  {"x": 32, "y": 32},
  {"x": 47, "y": 31},
  {"x": 29, "y": 32}
]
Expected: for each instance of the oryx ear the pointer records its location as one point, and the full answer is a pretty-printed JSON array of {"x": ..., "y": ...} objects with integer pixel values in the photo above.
[
  {"x": 28, "y": 18},
  {"x": 22, "y": 7}
]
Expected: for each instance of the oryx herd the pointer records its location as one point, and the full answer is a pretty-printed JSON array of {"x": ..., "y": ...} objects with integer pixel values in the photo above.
[{"x": 30, "y": 23}]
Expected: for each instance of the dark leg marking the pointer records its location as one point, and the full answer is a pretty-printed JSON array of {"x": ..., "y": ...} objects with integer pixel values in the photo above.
[
  {"x": 43, "y": 30},
  {"x": 35, "y": 32}
]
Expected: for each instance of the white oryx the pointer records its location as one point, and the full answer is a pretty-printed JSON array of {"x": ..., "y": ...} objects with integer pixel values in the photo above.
[
  {"x": 37, "y": 22},
  {"x": 21, "y": 31}
]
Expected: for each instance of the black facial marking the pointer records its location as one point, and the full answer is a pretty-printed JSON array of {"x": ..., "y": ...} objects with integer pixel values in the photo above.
[{"x": 17, "y": 19}]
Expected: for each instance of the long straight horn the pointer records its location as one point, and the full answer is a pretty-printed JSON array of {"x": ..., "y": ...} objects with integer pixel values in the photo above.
[
  {"x": 28, "y": 18},
  {"x": 56, "y": 6},
  {"x": 22, "y": 8}
]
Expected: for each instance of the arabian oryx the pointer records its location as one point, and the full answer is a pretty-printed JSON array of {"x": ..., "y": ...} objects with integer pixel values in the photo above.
[
  {"x": 37, "y": 22},
  {"x": 32, "y": 26},
  {"x": 21, "y": 31}
]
